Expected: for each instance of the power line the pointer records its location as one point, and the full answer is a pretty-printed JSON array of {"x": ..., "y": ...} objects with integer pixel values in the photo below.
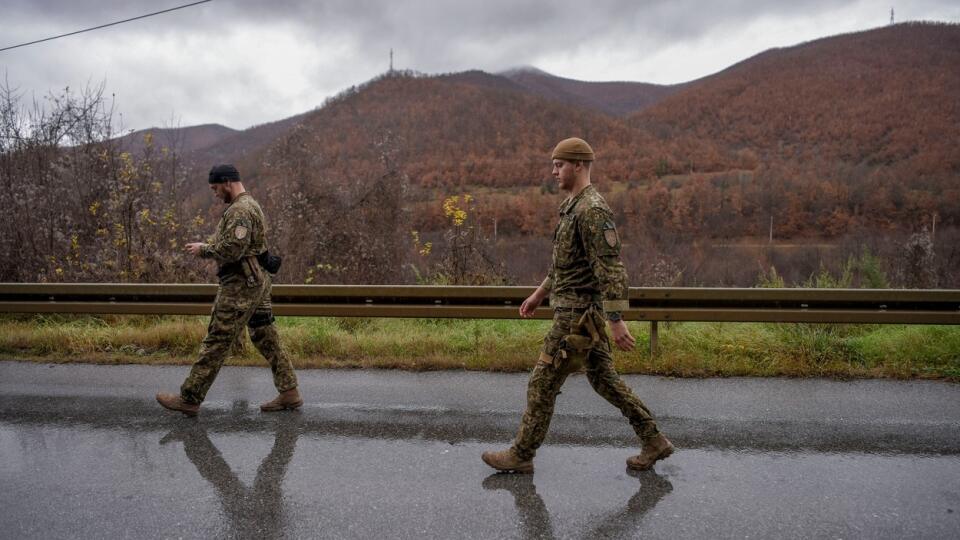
[{"x": 104, "y": 25}]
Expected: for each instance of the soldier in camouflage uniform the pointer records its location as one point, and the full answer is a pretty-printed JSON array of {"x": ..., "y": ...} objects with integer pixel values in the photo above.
[
  {"x": 243, "y": 298},
  {"x": 587, "y": 284}
]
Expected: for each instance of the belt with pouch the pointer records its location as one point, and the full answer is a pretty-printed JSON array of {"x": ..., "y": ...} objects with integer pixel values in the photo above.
[{"x": 270, "y": 263}]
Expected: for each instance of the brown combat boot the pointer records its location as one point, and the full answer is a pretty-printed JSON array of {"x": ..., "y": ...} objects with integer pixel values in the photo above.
[
  {"x": 507, "y": 460},
  {"x": 653, "y": 450},
  {"x": 175, "y": 403},
  {"x": 288, "y": 399}
]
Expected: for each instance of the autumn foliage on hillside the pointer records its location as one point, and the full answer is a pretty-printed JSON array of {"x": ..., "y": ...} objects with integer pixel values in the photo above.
[
  {"x": 854, "y": 138},
  {"x": 616, "y": 98},
  {"x": 456, "y": 134},
  {"x": 888, "y": 97},
  {"x": 796, "y": 158},
  {"x": 444, "y": 135},
  {"x": 841, "y": 138}
]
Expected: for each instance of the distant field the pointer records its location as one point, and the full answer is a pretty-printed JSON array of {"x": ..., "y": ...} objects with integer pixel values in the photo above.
[{"x": 686, "y": 349}]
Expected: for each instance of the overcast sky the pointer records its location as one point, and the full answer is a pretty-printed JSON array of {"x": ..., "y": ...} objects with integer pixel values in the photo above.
[{"x": 245, "y": 62}]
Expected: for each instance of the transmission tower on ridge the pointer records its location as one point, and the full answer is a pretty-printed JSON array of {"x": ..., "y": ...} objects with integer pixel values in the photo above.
[
  {"x": 891, "y": 15},
  {"x": 391, "y": 59}
]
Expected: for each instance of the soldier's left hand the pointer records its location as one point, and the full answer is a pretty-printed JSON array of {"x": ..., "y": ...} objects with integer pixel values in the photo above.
[
  {"x": 621, "y": 335},
  {"x": 194, "y": 247}
]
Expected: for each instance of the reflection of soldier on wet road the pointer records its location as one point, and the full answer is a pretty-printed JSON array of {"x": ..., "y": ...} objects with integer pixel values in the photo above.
[
  {"x": 253, "y": 511},
  {"x": 625, "y": 523},
  {"x": 534, "y": 518}
]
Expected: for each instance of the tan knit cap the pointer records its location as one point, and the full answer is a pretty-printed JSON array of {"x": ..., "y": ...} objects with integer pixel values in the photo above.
[{"x": 573, "y": 149}]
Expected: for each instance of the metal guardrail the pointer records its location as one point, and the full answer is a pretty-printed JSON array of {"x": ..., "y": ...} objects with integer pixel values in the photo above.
[{"x": 882, "y": 306}]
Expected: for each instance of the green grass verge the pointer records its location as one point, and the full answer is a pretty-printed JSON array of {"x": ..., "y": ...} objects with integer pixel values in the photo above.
[{"x": 686, "y": 349}]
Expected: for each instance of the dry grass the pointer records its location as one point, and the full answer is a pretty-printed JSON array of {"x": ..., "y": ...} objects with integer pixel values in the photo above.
[{"x": 686, "y": 350}]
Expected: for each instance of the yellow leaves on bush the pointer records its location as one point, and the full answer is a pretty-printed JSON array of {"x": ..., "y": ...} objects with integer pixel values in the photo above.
[
  {"x": 422, "y": 249},
  {"x": 145, "y": 217},
  {"x": 95, "y": 207},
  {"x": 170, "y": 220},
  {"x": 119, "y": 235},
  {"x": 452, "y": 210},
  {"x": 127, "y": 171}
]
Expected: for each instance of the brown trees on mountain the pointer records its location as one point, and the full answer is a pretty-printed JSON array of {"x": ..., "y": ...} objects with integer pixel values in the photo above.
[{"x": 796, "y": 157}]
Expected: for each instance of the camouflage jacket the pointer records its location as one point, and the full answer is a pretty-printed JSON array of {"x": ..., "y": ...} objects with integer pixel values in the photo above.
[
  {"x": 242, "y": 232},
  {"x": 586, "y": 268}
]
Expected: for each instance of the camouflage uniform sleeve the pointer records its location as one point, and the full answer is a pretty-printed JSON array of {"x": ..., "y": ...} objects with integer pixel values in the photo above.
[
  {"x": 547, "y": 283},
  {"x": 602, "y": 245},
  {"x": 228, "y": 246}
]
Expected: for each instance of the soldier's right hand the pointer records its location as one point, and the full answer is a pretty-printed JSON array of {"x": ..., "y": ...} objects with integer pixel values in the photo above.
[{"x": 621, "y": 335}]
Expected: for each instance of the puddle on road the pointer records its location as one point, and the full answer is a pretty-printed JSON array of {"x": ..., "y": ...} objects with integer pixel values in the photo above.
[{"x": 191, "y": 480}]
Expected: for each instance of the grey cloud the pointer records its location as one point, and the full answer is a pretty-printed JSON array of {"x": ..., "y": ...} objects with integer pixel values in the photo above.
[
  {"x": 425, "y": 21},
  {"x": 424, "y": 27},
  {"x": 427, "y": 36}
]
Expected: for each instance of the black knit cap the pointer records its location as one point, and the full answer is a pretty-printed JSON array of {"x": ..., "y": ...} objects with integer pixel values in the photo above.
[{"x": 223, "y": 173}]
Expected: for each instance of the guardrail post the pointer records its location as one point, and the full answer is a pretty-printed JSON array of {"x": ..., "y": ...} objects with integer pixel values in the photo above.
[{"x": 653, "y": 338}]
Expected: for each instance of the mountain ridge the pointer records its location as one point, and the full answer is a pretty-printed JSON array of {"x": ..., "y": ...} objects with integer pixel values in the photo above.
[
  {"x": 617, "y": 98},
  {"x": 799, "y": 110}
]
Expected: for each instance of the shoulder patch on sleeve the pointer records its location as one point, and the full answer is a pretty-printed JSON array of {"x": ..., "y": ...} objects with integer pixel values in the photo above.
[
  {"x": 240, "y": 232},
  {"x": 610, "y": 234}
]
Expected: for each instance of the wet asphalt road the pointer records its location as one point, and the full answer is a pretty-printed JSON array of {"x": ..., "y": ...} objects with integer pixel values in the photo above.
[{"x": 85, "y": 452}]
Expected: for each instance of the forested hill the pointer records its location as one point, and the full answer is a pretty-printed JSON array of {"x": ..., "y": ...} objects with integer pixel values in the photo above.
[
  {"x": 184, "y": 139},
  {"x": 212, "y": 142},
  {"x": 841, "y": 134},
  {"x": 848, "y": 138},
  {"x": 467, "y": 130},
  {"x": 843, "y": 143},
  {"x": 885, "y": 97},
  {"x": 618, "y": 98}
]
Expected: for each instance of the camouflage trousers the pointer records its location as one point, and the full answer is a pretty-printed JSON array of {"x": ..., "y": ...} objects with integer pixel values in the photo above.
[
  {"x": 236, "y": 305},
  {"x": 562, "y": 355}
]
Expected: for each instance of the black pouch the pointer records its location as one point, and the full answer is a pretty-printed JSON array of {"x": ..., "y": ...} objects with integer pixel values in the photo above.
[{"x": 270, "y": 263}]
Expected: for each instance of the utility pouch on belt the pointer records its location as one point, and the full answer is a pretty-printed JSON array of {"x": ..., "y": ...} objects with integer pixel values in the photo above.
[
  {"x": 576, "y": 348},
  {"x": 252, "y": 272},
  {"x": 588, "y": 333},
  {"x": 572, "y": 351},
  {"x": 592, "y": 327}
]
